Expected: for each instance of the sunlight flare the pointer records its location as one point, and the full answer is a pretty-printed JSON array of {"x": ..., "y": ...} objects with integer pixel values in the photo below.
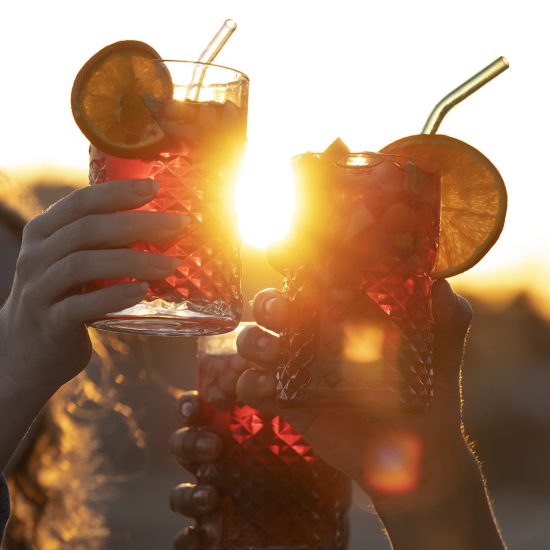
[{"x": 264, "y": 199}]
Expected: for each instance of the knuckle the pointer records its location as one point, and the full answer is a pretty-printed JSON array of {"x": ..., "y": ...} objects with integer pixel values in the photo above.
[
  {"x": 262, "y": 299},
  {"x": 132, "y": 259},
  {"x": 130, "y": 223},
  {"x": 183, "y": 499},
  {"x": 24, "y": 265},
  {"x": 60, "y": 314},
  {"x": 255, "y": 343},
  {"x": 73, "y": 233},
  {"x": 79, "y": 231},
  {"x": 176, "y": 441},
  {"x": 31, "y": 228},
  {"x": 113, "y": 192},
  {"x": 83, "y": 201},
  {"x": 266, "y": 294},
  {"x": 190, "y": 445},
  {"x": 29, "y": 296},
  {"x": 248, "y": 334},
  {"x": 76, "y": 200},
  {"x": 74, "y": 264},
  {"x": 180, "y": 496}
]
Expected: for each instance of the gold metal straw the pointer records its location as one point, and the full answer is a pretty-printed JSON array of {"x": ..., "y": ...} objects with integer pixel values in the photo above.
[{"x": 462, "y": 92}]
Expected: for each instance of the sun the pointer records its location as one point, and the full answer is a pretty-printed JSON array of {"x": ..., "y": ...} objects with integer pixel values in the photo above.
[{"x": 264, "y": 199}]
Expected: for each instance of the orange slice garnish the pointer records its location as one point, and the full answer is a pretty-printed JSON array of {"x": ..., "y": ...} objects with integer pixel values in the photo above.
[
  {"x": 473, "y": 199},
  {"x": 110, "y": 98}
]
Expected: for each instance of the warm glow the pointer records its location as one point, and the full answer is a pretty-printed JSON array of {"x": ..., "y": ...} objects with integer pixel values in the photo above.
[
  {"x": 316, "y": 73},
  {"x": 500, "y": 286},
  {"x": 363, "y": 342},
  {"x": 264, "y": 199},
  {"x": 395, "y": 464}
]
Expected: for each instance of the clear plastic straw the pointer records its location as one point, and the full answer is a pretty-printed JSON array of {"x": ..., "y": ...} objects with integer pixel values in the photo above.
[
  {"x": 208, "y": 55},
  {"x": 462, "y": 92},
  {"x": 218, "y": 41}
]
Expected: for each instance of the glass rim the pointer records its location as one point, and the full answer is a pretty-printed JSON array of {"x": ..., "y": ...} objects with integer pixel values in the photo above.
[
  {"x": 203, "y": 64},
  {"x": 434, "y": 165}
]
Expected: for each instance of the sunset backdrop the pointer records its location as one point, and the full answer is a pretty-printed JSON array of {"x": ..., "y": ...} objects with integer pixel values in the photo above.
[{"x": 367, "y": 72}]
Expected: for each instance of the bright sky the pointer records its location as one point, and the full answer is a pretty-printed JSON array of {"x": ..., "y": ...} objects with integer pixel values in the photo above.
[{"x": 369, "y": 72}]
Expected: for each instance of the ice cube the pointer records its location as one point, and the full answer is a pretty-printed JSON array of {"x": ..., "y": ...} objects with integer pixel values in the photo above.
[
  {"x": 417, "y": 178},
  {"x": 335, "y": 151},
  {"x": 399, "y": 218},
  {"x": 359, "y": 220}
]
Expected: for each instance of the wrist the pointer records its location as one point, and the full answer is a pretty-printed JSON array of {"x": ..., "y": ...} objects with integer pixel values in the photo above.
[
  {"x": 437, "y": 476},
  {"x": 449, "y": 508},
  {"x": 17, "y": 384},
  {"x": 20, "y": 400},
  {"x": 15, "y": 372}
]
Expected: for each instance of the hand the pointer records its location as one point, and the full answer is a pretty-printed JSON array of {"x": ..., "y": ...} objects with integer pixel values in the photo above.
[
  {"x": 191, "y": 445},
  {"x": 421, "y": 475},
  {"x": 83, "y": 237},
  {"x": 358, "y": 445}
]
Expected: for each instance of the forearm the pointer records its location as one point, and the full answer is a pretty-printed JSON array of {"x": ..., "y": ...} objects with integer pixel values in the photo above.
[
  {"x": 451, "y": 510},
  {"x": 20, "y": 403}
]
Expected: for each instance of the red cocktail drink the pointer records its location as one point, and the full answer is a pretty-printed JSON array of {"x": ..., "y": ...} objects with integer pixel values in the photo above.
[
  {"x": 205, "y": 125},
  {"x": 275, "y": 493},
  {"x": 359, "y": 282}
]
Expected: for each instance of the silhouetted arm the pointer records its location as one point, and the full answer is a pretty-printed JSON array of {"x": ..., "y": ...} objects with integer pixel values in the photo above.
[
  {"x": 4, "y": 506},
  {"x": 450, "y": 510}
]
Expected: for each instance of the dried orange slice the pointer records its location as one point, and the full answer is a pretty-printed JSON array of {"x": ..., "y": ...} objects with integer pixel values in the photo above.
[
  {"x": 473, "y": 199},
  {"x": 109, "y": 99}
]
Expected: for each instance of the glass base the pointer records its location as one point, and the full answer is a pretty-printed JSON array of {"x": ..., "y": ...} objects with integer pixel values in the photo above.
[{"x": 160, "y": 318}]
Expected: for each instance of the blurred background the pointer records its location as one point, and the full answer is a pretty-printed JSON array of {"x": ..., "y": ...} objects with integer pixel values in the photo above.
[{"x": 369, "y": 73}]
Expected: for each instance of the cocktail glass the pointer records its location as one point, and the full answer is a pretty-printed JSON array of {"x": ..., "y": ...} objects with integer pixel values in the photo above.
[
  {"x": 204, "y": 118},
  {"x": 359, "y": 283},
  {"x": 275, "y": 493}
]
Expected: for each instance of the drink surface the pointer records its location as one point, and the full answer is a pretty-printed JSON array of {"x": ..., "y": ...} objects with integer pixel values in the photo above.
[
  {"x": 359, "y": 283},
  {"x": 275, "y": 493},
  {"x": 196, "y": 176}
]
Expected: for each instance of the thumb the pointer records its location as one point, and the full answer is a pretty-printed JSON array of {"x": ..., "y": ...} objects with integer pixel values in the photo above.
[{"x": 452, "y": 315}]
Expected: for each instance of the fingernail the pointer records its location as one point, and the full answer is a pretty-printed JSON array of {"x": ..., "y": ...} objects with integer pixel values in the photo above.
[
  {"x": 136, "y": 290},
  {"x": 201, "y": 498},
  {"x": 175, "y": 221},
  {"x": 261, "y": 343},
  {"x": 145, "y": 187},
  {"x": 164, "y": 262},
  {"x": 206, "y": 445},
  {"x": 187, "y": 409}
]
